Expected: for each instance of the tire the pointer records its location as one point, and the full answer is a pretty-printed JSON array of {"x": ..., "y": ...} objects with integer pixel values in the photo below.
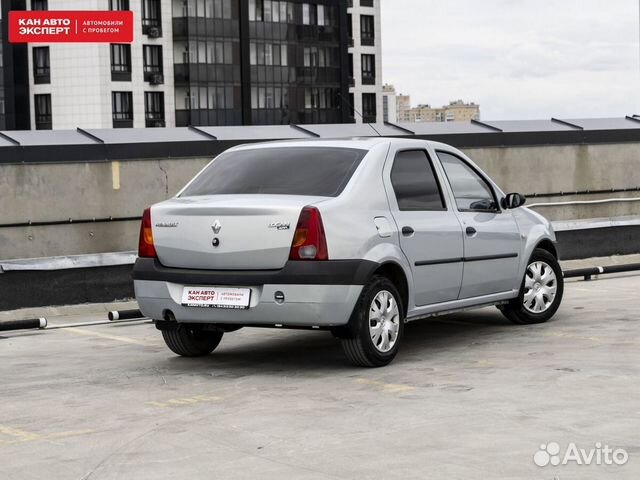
[
  {"x": 359, "y": 345},
  {"x": 537, "y": 307},
  {"x": 191, "y": 342}
]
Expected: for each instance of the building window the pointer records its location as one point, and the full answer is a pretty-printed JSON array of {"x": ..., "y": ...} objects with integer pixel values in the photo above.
[
  {"x": 39, "y": 5},
  {"x": 122, "y": 109},
  {"x": 41, "y": 67},
  {"x": 320, "y": 98},
  {"x": 366, "y": 3},
  {"x": 118, "y": 4},
  {"x": 151, "y": 18},
  {"x": 271, "y": 11},
  {"x": 367, "y": 30},
  {"x": 42, "y": 104},
  {"x": 309, "y": 14},
  {"x": 152, "y": 55},
  {"x": 268, "y": 54},
  {"x": 120, "y": 62},
  {"x": 368, "y": 69},
  {"x": 369, "y": 107},
  {"x": 154, "y": 109},
  {"x": 269, "y": 98}
]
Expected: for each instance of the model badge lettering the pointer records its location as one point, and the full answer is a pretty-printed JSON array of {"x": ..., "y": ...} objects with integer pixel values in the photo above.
[
  {"x": 167, "y": 225},
  {"x": 280, "y": 225}
]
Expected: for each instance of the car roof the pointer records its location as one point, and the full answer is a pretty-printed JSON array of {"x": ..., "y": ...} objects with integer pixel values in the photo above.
[{"x": 364, "y": 143}]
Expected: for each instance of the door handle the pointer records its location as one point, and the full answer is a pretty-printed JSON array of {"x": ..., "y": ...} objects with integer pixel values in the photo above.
[
  {"x": 471, "y": 231},
  {"x": 407, "y": 231}
]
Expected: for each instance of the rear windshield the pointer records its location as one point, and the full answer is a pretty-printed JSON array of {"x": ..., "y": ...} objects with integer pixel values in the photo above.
[{"x": 317, "y": 171}]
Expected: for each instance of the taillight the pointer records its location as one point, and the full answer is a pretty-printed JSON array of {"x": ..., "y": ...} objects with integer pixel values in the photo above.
[
  {"x": 309, "y": 240},
  {"x": 145, "y": 243}
]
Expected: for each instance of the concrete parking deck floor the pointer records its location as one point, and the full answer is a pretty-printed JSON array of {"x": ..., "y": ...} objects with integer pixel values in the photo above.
[{"x": 469, "y": 396}]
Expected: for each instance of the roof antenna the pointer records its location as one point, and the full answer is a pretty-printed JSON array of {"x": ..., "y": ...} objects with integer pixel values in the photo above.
[{"x": 359, "y": 114}]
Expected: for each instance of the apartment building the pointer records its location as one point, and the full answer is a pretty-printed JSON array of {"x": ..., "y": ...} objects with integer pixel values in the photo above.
[
  {"x": 403, "y": 105},
  {"x": 192, "y": 62},
  {"x": 389, "y": 104},
  {"x": 365, "y": 60},
  {"x": 456, "y": 111}
]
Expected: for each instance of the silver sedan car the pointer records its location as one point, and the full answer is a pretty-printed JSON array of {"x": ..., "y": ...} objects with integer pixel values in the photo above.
[{"x": 354, "y": 236}]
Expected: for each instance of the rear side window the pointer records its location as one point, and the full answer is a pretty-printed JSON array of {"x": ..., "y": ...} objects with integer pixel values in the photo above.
[
  {"x": 414, "y": 182},
  {"x": 316, "y": 171},
  {"x": 472, "y": 192}
]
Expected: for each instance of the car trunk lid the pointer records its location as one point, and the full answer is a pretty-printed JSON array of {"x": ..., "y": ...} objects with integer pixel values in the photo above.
[{"x": 227, "y": 232}]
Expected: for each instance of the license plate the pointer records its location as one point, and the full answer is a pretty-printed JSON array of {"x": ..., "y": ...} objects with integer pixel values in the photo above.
[{"x": 216, "y": 297}]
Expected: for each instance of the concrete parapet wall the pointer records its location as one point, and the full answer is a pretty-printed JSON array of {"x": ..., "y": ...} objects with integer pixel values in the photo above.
[{"x": 55, "y": 192}]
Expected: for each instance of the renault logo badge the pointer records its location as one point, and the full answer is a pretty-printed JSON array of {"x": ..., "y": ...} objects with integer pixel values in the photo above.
[{"x": 216, "y": 227}]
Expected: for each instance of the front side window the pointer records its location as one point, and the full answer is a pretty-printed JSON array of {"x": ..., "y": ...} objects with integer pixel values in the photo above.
[
  {"x": 414, "y": 182},
  {"x": 315, "y": 171},
  {"x": 471, "y": 191}
]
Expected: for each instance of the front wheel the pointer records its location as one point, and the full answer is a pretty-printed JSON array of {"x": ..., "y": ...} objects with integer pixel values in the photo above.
[
  {"x": 377, "y": 325},
  {"x": 191, "y": 342},
  {"x": 540, "y": 293}
]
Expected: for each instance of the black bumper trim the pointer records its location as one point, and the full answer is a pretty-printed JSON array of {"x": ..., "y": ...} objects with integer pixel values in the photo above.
[{"x": 329, "y": 272}]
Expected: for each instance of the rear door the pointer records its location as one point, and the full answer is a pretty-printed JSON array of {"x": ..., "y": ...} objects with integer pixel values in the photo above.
[
  {"x": 430, "y": 232},
  {"x": 491, "y": 236}
]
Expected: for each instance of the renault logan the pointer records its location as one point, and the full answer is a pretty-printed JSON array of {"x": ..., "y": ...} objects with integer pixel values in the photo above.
[{"x": 354, "y": 236}]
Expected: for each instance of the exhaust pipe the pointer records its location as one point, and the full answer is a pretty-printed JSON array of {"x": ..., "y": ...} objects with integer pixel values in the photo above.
[
  {"x": 23, "y": 324},
  {"x": 125, "y": 314}
]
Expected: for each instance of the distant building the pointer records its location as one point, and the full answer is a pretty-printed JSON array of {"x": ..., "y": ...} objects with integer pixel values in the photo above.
[
  {"x": 403, "y": 106},
  {"x": 365, "y": 60},
  {"x": 389, "y": 107},
  {"x": 457, "y": 111}
]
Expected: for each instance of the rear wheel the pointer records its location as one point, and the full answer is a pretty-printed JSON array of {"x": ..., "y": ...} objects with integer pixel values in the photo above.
[
  {"x": 190, "y": 341},
  {"x": 377, "y": 325},
  {"x": 540, "y": 293}
]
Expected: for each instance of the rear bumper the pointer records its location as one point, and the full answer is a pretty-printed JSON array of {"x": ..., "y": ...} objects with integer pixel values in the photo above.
[
  {"x": 308, "y": 301},
  {"x": 329, "y": 272}
]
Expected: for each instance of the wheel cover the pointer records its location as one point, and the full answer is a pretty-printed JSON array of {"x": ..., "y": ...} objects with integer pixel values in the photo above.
[
  {"x": 540, "y": 287},
  {"x": 384, "y": 321}
]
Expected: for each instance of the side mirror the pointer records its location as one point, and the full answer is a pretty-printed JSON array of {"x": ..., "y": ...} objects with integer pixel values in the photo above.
[{"x": 513, "y": 200}]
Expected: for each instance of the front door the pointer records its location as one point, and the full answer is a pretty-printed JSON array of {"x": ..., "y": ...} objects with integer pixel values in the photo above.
[
  {"x": 430, "y": 233},
  {"x": 491, "y": 236}
]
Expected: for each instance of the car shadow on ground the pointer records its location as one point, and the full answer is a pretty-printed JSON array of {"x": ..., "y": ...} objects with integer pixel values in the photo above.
[{"x": 286, "y": 350}]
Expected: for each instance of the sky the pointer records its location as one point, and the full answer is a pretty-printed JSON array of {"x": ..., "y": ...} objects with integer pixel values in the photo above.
[{"x": 518, "y": 59}]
